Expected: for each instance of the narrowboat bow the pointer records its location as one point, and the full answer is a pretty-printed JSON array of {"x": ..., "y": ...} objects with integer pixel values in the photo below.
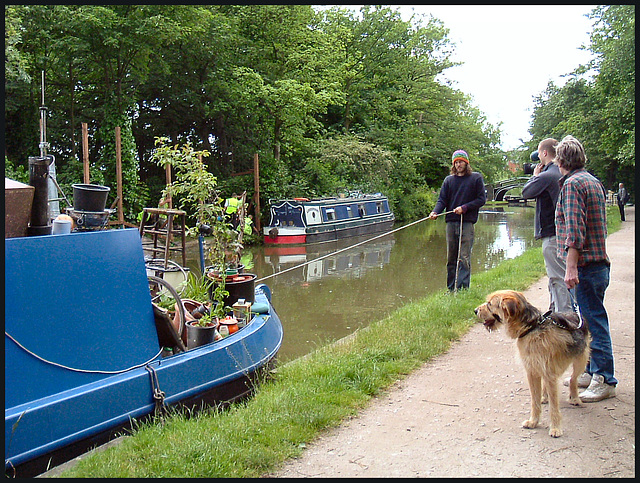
[
  {"x": 83, "y": 349},
  {"x": 302, "y": 220}
]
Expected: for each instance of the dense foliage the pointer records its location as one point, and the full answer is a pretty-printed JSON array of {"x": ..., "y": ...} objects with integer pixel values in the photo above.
[
  {"x": 326, "y": 98},
  {"x": 600, "y": 112}
]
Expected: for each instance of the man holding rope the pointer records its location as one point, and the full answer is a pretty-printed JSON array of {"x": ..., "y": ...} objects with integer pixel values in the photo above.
[{"x": 462, "y": 195}]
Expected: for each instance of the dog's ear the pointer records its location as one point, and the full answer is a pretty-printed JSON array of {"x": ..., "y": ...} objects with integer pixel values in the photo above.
[{"x": 510, "y": 305}]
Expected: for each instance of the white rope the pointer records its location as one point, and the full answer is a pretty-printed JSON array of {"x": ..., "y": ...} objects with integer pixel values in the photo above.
[
  {"x": 91, "y": 371},
  {"x": 349, "y": 247}
]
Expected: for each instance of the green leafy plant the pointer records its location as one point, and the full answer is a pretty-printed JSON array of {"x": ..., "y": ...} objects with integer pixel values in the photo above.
[
  {"x": 196, "y": 288},
  {"x": 207, "y": 320},
  {"x": 195, "y": 187}
]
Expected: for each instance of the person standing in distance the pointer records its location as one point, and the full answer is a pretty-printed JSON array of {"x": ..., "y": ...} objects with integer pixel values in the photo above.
[
  {"x": 544, "y": 188},
  {"x": 581, "y": 228},
  {"x": 463, "y": 194},
  {"x": 623, "y": 197}
]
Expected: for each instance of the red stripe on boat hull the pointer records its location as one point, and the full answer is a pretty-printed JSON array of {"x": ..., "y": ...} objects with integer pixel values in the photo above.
[{"x": 285, "y": 240}]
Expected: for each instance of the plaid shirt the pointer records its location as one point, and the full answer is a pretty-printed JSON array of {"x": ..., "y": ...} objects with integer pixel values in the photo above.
[{"x": 581, "y": 219}]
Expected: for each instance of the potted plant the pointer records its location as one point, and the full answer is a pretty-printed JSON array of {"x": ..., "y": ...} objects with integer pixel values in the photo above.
[
  {"x": 195, "y": 187},
  {"x": 202, "y": 331}
]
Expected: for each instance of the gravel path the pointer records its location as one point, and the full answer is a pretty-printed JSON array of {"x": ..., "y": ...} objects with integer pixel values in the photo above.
[{"x": 460, "y": 415}]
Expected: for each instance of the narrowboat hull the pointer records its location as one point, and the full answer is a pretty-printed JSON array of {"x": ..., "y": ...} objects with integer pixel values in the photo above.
[
  {"x": 300, "y": 221},
  {"x": 85, "y": 360}
]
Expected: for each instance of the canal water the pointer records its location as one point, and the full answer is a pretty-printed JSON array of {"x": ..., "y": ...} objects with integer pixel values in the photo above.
[{"x": 332, "y": 294}]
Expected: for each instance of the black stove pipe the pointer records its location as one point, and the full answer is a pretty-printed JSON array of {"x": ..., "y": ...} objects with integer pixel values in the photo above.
[{"x": 39, "y": 179}]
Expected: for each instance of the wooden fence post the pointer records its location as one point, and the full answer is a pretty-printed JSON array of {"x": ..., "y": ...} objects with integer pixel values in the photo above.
[
  {"x": 119, "y": 175},
  {"x": 256, "y": 187},
  {"x": 85, "y": 152},
  {"x": 167, "y": 173}
]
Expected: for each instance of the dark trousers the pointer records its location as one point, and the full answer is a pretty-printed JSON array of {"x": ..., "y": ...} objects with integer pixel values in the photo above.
[
  {"x": 459, "y": 261},
  {"x": 621, "y": 206}
]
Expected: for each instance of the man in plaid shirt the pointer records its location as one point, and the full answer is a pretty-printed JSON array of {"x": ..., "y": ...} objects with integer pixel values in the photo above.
[{"x": 581, "y": 226}]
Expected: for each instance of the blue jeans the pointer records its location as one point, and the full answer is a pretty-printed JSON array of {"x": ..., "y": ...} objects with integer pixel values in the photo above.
[
  {"x": 593, "y": 281},
  {"x": 464, "y": 267}
]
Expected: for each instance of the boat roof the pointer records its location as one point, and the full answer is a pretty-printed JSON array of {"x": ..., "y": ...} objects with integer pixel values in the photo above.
[{"x": 331, "y": 199}]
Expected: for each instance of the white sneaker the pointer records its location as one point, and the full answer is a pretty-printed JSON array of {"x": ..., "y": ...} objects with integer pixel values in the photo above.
[
  {"x": 598, "y": 390},
  {"x": 583, "y": 380}
]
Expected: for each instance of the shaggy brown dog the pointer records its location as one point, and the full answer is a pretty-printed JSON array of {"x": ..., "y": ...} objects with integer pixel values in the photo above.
[{"x": 547, "y": 345}]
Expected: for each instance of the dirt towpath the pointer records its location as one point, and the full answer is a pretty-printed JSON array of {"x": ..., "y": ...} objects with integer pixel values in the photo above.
[{"x": 459, "y": 415}]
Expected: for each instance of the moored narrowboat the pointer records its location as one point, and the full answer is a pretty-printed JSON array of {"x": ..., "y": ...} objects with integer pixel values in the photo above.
[
  {"x": 302, "y": 220},
  {"x": 86, "y": 353}
]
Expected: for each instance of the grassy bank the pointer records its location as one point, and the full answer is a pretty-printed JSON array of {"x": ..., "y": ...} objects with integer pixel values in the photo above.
[{"x": 309, "y": 394}]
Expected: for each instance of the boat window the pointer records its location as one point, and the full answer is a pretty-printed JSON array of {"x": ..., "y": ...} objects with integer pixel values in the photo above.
[
  {"x": 379, "y": 206},
  {"x": 331, "y": 214},
  {"x": 361, "y": 210},
  {"x": 286, "y": 215}
]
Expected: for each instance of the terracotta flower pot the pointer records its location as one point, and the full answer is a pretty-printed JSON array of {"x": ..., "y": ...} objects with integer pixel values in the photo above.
[
  {"x": 231, "y": 323},
  {"x": 190, "y": 306}
]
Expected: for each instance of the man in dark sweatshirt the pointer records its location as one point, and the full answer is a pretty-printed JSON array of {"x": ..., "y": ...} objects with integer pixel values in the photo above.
[
  {"x": 544, "y": 187},
  {"x": 462, "y": 194}
]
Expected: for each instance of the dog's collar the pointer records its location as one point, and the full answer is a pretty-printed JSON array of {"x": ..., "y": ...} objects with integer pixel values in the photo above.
[{"x": 529, "y": 330}]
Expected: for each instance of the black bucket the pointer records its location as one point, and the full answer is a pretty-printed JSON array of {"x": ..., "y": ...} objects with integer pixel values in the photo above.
[
  {"x": 241, "y": 289},
  {"x": 197, "y": 336},
  {"x": 90, "y": 197}
]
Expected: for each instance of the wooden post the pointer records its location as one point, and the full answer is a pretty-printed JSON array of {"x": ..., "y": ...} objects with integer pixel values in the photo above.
[
  {"x": 85, "y": 152},
  {"x": 119, "y": 175},
  {"x": 256, "y": 187},
  {"x": 167, "y": 172}
]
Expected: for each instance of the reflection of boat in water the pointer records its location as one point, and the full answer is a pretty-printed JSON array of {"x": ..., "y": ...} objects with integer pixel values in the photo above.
[
  {"x": 85, "y": 352},
  {"x": 319, "y": 261},
  {"x": 301, "y": 220}
]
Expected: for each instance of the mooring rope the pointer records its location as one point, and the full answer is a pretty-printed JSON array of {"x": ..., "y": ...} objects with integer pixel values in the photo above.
[
  {"x": 97, "y": 371},
  {"x": 351, "y": 246}
]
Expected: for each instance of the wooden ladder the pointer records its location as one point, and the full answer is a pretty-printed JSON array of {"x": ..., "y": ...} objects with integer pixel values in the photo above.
[{"x": 152, "y": 223}]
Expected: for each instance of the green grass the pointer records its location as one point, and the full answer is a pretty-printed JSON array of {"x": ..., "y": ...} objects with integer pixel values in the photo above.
[{"x": 310, "y": 394}]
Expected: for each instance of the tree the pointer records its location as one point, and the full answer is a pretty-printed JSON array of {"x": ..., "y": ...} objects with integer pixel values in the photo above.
[
  {"x": 599, "y": 111},
  {"x": 613, "y": 40},
  {"x": 283, "y": 81}
]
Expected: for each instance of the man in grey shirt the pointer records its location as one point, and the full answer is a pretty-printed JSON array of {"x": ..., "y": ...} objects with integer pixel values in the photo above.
[{"x": 544, "y": 188}]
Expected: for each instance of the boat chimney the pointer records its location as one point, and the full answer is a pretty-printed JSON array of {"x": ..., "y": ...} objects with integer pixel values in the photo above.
[{"x": 39, "y": 179}]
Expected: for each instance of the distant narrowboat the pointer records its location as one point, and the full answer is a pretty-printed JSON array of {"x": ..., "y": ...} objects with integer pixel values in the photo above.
[{"x": 302, "y": 220}]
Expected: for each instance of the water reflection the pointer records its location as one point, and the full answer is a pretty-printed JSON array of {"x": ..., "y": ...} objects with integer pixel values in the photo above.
[
  {"x": 330, "y": 296},
  {"x": 332, "y": 259}
]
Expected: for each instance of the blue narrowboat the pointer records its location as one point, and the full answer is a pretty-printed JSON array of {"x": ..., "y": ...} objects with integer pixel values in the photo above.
[
  {"x": 302, "y": 220},
  {"x": 85, "y": 353}
]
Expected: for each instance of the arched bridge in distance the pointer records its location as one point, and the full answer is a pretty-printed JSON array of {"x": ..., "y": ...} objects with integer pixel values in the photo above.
[{"x": 497, "y": 191}]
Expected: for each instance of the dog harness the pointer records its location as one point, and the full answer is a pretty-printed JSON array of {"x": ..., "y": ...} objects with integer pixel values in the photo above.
[{"x": 546, "y": 317}]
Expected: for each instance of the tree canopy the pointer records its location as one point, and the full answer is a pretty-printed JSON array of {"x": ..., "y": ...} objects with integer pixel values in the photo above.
[
  {"x": 326, "y": 97},
  {"x": 599, "y": 111}
]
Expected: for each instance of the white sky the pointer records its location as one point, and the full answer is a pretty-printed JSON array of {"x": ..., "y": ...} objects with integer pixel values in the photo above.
[{"x": 510, "y": 54}]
